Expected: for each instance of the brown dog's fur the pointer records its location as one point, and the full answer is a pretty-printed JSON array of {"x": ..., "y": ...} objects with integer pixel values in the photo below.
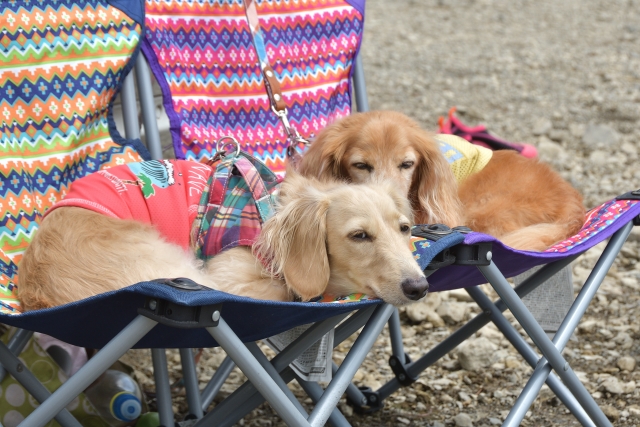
[
  {"x": 521, "y": 201},
  {"x": 312, "y": 243}
]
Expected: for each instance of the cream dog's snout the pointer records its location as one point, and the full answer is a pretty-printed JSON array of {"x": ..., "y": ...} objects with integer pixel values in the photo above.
[{"x": 414, "y": 289}]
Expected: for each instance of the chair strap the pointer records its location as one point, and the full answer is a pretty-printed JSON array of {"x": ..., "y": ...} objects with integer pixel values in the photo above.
[
  {"x": 274, "y": 92},
  {"x": 257, "y": 187},
  {"x": 252, "y": 178}
]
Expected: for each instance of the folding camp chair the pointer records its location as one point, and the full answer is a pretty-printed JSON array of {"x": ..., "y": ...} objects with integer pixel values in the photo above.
[
  {"x": 91, "y": 46},
  {"x": 61, "y": 67},
  {"x": 612, "y": 220}
]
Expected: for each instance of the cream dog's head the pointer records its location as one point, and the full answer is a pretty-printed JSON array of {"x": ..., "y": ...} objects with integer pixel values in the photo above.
[{"x": 340, "y": 239}]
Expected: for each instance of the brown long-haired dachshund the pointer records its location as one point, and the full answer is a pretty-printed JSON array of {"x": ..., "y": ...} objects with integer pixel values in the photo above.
[{"x": 521, "y": 201}]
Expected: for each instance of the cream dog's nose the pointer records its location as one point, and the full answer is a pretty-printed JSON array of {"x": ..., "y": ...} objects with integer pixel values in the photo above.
[{"x": 414, "y": 289}]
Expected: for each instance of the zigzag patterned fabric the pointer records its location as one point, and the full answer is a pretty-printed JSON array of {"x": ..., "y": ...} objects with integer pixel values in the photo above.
[
  {"x": 61, "y": 63},
  {"x": 202, "y": 54},
  {"x": 596, "y": 221}
]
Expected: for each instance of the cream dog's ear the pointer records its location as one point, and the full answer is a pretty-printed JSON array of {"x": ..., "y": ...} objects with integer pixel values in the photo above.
[{"x": 294, "y": 239}]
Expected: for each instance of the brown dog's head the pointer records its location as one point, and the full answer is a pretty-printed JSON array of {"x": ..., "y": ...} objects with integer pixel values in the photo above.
[
  {"x": 386, "y": 145},
  {"x": 340, "y": 239}
]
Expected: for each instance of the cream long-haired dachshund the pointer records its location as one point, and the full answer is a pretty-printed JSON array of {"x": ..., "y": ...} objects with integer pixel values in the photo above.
[
  {"x": 324, "y": 237},
  {"x": 521, "y": 201}
]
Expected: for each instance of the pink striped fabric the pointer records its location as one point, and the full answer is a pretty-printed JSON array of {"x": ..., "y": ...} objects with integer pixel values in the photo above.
[{"x": 203, "y": 56}]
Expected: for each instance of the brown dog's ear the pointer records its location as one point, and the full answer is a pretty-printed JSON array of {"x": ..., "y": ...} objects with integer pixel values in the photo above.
[
  {"x": 434, "y": 190},
  {"x": 324, "y": 158},
  {"x": 294, "y": 239}
]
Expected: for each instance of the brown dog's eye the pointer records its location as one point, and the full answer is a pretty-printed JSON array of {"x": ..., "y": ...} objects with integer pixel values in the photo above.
[
  {"x": 404, "y": 228},
  {"x": 360, "y": 236},
  {"x": 362, "y": 166},
  {"x": 406, "y": 165}
]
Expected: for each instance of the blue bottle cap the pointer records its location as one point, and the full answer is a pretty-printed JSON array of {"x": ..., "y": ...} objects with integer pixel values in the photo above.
[{"x": 125, "y": 406}]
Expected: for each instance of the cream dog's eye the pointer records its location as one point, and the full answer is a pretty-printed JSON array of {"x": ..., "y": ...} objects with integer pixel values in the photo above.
[
  {"x": 404, "y": 228},
  {"x": 407, "y": 165},
  {"x": 362, "y": 166},
  {"x": 360, "y": 236}
]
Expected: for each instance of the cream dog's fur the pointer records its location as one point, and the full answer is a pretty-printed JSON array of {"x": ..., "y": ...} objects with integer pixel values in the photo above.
[
  {"x": 521, "y": 201},
  {"x": 325, "y": 237}
]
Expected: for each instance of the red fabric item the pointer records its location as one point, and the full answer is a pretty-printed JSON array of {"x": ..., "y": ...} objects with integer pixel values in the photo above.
[
  {"x": 164, "y": 193},
  {"x": 479, "y": 135}
]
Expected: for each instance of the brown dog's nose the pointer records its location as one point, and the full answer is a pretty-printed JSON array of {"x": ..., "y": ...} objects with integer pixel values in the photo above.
[{"x": 414, "y": 289}]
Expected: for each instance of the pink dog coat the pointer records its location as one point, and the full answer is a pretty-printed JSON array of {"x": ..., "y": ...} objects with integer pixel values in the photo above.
[{"x": 163, "y": 193}]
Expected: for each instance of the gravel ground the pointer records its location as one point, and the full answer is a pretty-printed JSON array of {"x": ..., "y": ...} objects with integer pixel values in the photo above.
[{"x": 564, "y": 76}]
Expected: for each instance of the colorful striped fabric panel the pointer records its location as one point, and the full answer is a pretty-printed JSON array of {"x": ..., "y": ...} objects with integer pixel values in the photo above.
[
  {"x": 596, "y": 221},
  {"x": 203, "y": 56},
  {"x": 61, "y": 63}
]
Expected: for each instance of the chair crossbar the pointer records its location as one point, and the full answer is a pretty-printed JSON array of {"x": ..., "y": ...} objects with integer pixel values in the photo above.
[
  {"x": 147, "y": 105},
  {"x": 542, "y": 341},
  {"x": 190, "y": 377},
  {"x": 414, "y": 369},
  {"x": 246, "y": 398},
  {"x": 395, "y": 336},
  {"x": 118, "y": 346},
  {"x": 350, "y": 365},
  {"x": 273, "y": 373},
  {"x": 529, "y": 355},
  {"x": 561, "y": 338},
  {"x": 213, "y": 387},
  {"x": 552, "y": 349},
  {"x": 314, "y": 391},
  {"x": 359, "y": 86},
  {"x": 249, "y": 366},
  {"x": 353, "y": 392},
  {"x": 16, "y": 344},
  {"x": 163, "y": 386},
  {"x": 129, "y": 108},
  {"x": 240, "y": 410},
  {"x": 25, "y": 377}
]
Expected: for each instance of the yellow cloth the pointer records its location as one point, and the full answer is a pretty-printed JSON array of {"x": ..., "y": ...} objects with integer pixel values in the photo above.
[{"x": 464, "y": 157}]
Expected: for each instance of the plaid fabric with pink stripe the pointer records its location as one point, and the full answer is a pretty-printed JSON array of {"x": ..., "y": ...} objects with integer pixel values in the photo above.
[
  {"x": 239, "y": 197},
  {"x": 202, "y": 54}
]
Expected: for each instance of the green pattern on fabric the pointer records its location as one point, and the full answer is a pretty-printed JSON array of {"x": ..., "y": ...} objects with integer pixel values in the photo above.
[
  {"x": 16, "y": 403},
  {"x": 147, "y": 186}
]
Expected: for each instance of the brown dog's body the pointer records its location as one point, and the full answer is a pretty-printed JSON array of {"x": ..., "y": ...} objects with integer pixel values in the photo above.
[
  {"x": 521, "y": 201},
  {"x": 325, "y": 237}
]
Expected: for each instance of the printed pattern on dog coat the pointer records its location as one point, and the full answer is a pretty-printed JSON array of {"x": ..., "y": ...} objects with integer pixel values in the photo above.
[
  {"x": 193, "y": 205},
  {"x": 464, "y": 158}
]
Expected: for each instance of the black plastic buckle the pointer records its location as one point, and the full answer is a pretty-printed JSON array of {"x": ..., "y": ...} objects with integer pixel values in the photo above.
[
  {"x": 181, "y": 283},
  {"x": 476, "y": 254},
  {"x": 631, "y": 195},
  {"x": 400, "y": 370},
  {"x": 435, "y": 232},
  {"x": 442, "y": 259},
  {"x": 370, "y": 404},
  {"x": 181, "y": 316}
]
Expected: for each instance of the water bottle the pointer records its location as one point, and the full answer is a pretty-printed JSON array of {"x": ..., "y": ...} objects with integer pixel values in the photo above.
[{"x": 116, "y": 396}]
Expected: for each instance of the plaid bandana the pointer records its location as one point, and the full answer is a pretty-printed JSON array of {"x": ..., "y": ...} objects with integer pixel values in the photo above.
[{"x": 239, "y": 198}]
